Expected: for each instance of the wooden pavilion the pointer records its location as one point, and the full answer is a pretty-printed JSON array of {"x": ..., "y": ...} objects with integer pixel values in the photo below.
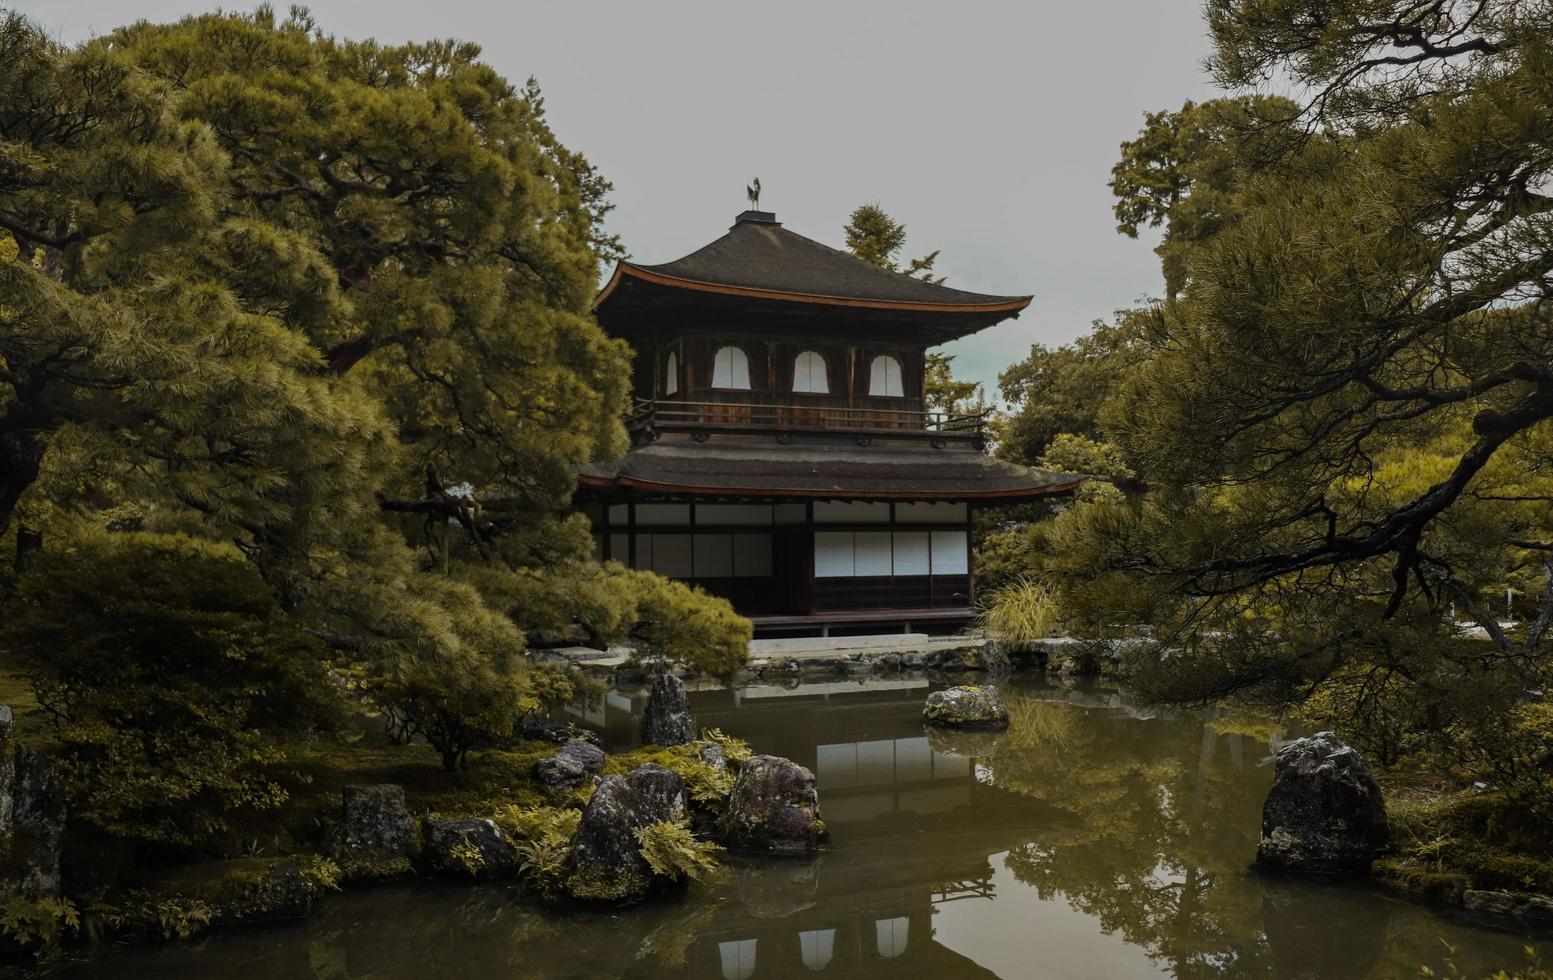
[{"x": 782, "y": 454}]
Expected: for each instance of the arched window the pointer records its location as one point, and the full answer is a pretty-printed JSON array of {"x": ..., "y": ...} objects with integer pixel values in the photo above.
[
  {"x": 671, "y": 374},
  {"x": 809, "y": 373},
  {"x": 884, "y": 377},
  {"x": 731, "y": 369}
]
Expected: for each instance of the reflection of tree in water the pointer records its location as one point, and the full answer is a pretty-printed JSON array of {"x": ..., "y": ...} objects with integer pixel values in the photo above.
[
  {"x": 1161, "y": 835},
  {"x": 1165, "y": 814}
]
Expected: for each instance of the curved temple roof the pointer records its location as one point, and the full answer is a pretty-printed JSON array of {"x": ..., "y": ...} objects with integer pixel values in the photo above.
[
  {"x": 760, "y": 259},
  {"x": 825, "y": 471}
]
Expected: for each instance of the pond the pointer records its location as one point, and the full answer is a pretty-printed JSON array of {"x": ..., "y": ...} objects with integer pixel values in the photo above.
[{"x": 1094, "y": 839}]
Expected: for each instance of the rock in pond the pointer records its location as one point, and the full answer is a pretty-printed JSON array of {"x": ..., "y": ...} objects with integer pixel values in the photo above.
[
  {"x": 32, "y": 818},
  {"x": 667, "y": 719},
  {"x": 376, "y": 837},
  {"x": 575, "y": 762},
  {"x": 774, "y": 807},
  {"x": 474, "y": 847},
  {"x": 968, "y": 706},
  {"x": 605, "y": 863},
  {"x": 1325, "y": 813}
]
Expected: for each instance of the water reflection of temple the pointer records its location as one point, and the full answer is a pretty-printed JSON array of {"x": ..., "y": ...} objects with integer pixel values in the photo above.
[{"x": 913, "y": 823}]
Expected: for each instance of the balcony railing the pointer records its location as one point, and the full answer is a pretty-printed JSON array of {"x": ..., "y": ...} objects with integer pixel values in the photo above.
[{"x": 651, "y": 417}]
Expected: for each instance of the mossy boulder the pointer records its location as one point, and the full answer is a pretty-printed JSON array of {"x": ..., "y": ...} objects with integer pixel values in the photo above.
[
  {"x": 606, "y": 863},
  {"x": 376, "y": 839},
  {"x": 774, "y": 808},
  {"x": 967, "y": 706},
  {"x": 1325, "y": 813},
  {"x": 577, "y": 760},
  {"x": 472, "y": 847}
]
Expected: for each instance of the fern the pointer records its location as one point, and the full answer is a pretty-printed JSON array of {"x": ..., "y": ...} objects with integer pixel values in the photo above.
[
  {"x": 736, "y": 749},
  {"x": 673, "y": 851},
  {"x": 466, "y": 854},
  {"x": 39, "y": 924}
]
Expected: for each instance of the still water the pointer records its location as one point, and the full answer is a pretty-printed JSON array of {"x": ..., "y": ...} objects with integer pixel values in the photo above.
[{"x": 1093, "y": 839}]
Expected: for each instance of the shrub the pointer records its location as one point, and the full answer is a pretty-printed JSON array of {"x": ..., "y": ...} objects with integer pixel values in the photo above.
[
  {"x": 684, "y": 625},
  {"x": 673, "y": 851},
  {"x": 171, "y": 679},
  {"x": 1021, "y": 612},
  {"x": 463, "y": 685},
  {"x": 38, "y": 924},
  {"x": 544, "y": 836}
]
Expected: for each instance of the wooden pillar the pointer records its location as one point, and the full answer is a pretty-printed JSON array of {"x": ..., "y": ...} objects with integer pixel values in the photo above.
[
  {"x": 631, "y": 535},
  {"x": 808, "y": 533},
  {"x": 970, "y": 553}
]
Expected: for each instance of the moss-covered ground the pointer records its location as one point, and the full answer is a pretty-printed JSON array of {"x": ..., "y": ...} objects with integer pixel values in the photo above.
[{"x": 1447, "y": 841}]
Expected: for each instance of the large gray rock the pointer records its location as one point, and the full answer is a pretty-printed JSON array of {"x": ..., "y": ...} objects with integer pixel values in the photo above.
[
  {"x": 667, "y": 719},
  {"x": 985, "y": 656},
  {"x": 376, "y": 837},
  {"x": 1510, "y": 908},
  {"x": 575, "y": 762},
  {"x": 605, "y": 863},
  {"x": 474, "y": 847},
  {"x": 968, "y": 706},
  {"x": 32, "y": 818},
  {"x": 1325, "y": 813},
  {"x": 774, "y": 807}
]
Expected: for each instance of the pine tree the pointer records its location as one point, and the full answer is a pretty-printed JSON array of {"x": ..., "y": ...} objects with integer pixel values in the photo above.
[{"x": 328, "y": 300}]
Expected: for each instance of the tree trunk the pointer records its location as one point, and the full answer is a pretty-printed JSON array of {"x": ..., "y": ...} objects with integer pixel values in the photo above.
[
  {"x": 21, "y": 457},
  {"x": 28, "y": 543}
]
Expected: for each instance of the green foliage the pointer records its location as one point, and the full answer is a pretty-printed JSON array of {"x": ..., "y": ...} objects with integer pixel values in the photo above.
[
  {"x": 466, "y": 854},
  {"x": 1445, "y": 843},
  {"x": 876, "y": 238},
  {"x": 1021, "y": 612},
  {"x": 321, "y": 874},
  {"x": 181, "y": 918},
  {"x": 1067, "y": 389},
  {"x": 172, "y": 682},
  {"x": 328, "y": 300},
  {"x": 1185, "y": 168},
  {"x": 544, "y": 836},
  {"x": 735, "y": 750},
  {"x": 943, "y": 392},
  {"x": 1343, "y": 410},
  {"x": 682, "y": 624},
  {"x": 665, "y": 619},
  {"x": 1533, "y": 970},
  {"x": 674, "y": 852},
  {"x": 40, "y": 925}
]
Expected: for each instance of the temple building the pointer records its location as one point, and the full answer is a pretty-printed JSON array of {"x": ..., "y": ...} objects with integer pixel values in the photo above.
[{"x": 782, "y": 452}]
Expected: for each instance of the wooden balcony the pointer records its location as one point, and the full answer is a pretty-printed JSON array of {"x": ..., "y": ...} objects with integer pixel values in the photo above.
[{"x": 651, "y": 418}]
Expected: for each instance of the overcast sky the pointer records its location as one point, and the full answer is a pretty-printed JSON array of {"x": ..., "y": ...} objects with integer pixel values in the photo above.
[{"x": 988, "y": 128}]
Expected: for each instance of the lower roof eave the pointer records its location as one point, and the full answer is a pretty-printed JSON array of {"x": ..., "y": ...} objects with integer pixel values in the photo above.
[{"x": 835, "y": 493}]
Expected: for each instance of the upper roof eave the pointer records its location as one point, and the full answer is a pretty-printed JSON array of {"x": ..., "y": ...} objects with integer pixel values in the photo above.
[{"x": 1007, "y": 305}]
